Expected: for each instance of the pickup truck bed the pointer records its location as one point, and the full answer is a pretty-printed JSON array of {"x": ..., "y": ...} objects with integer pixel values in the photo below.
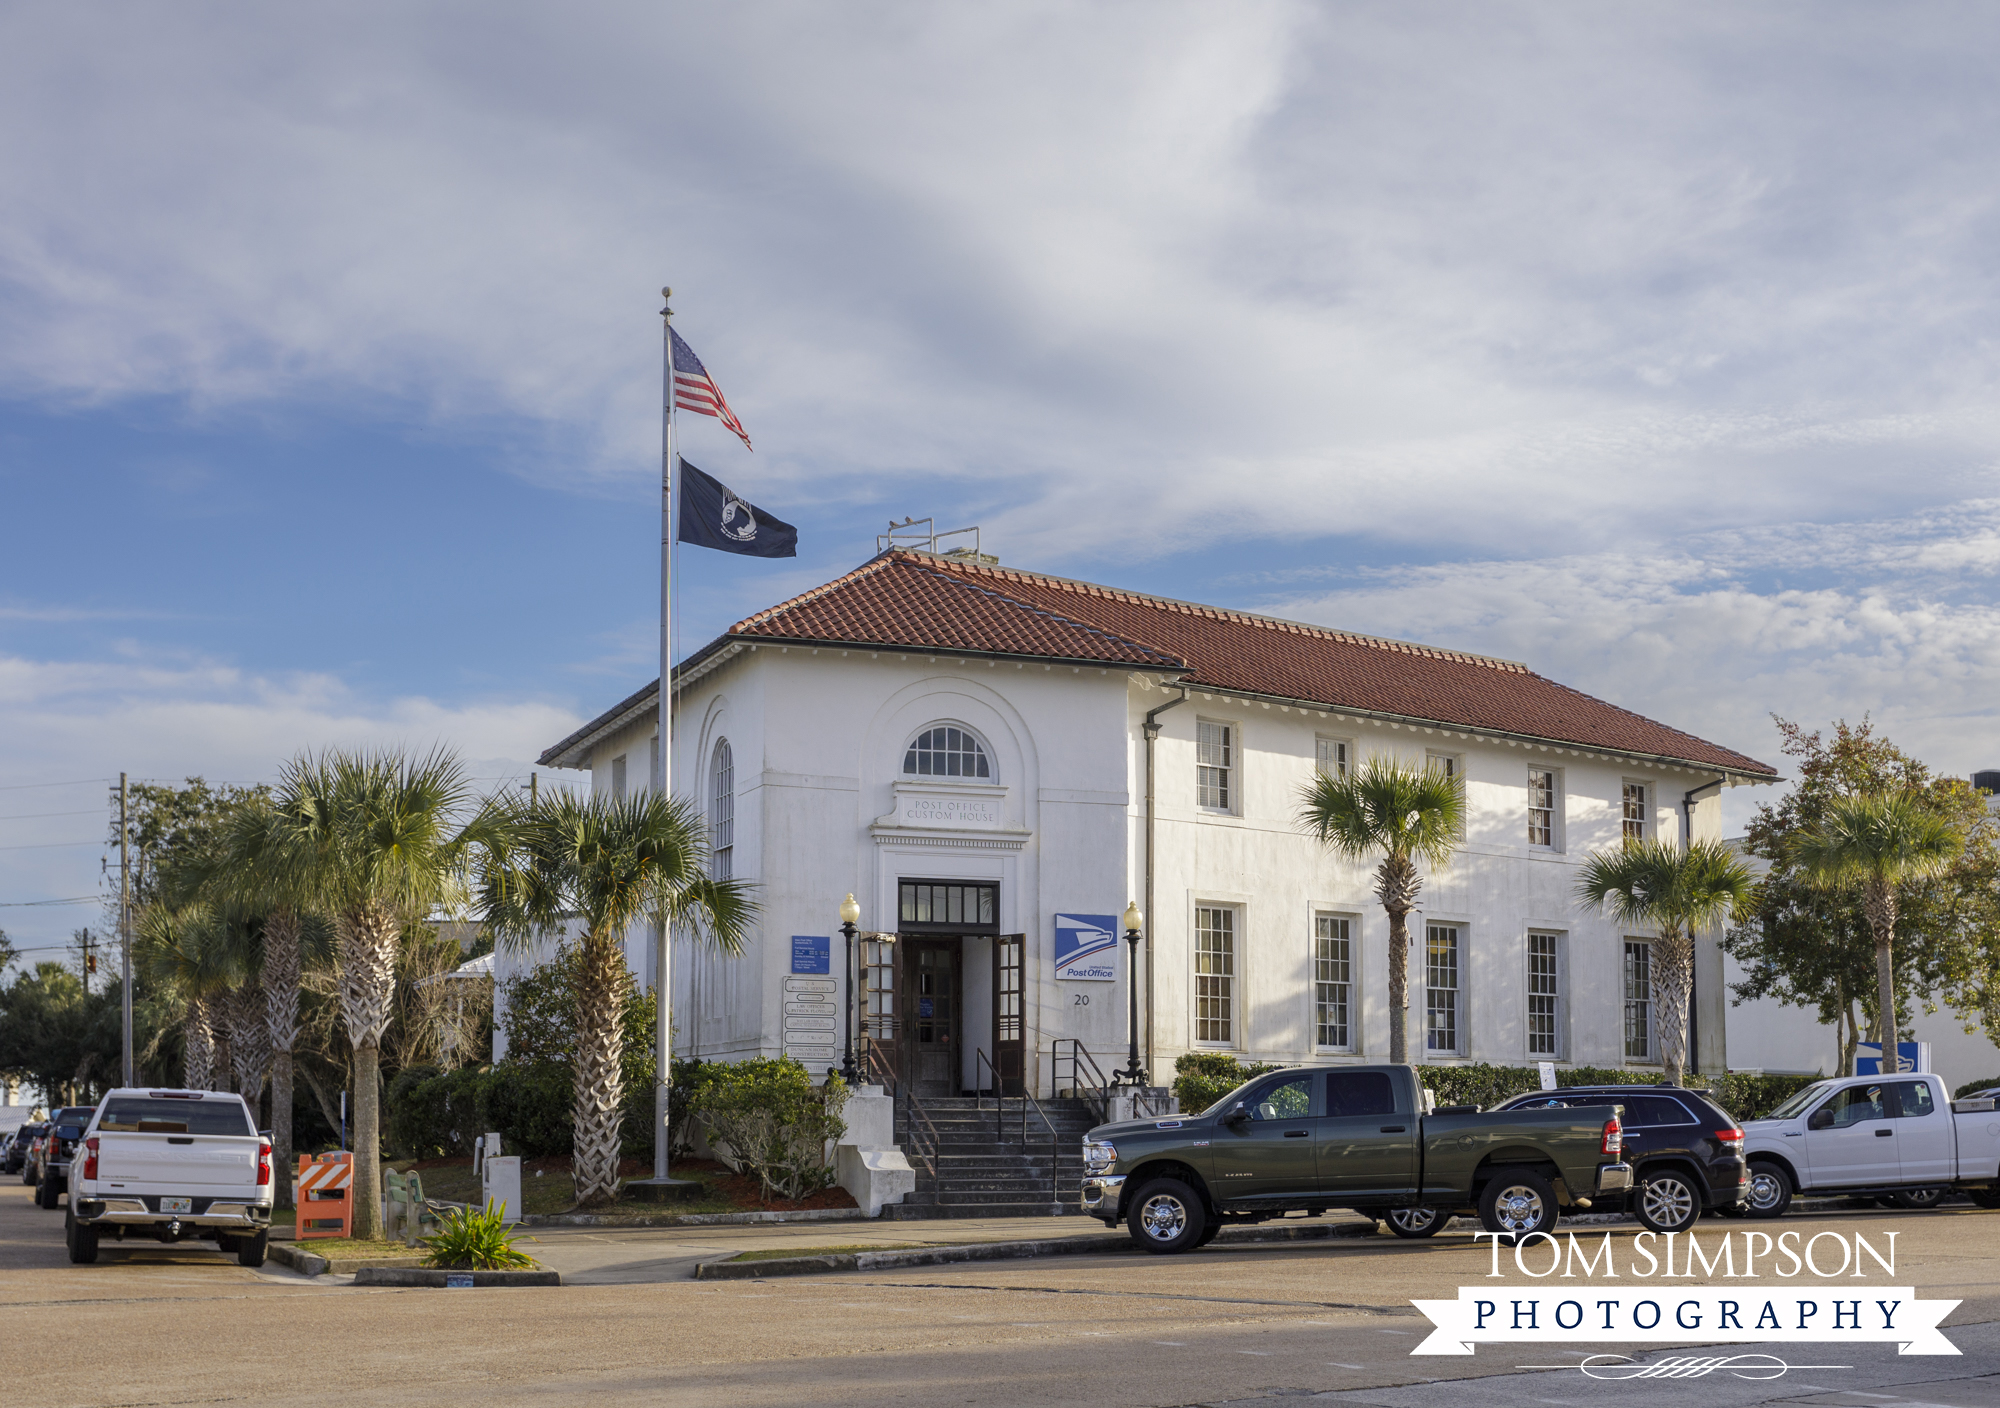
[{"x": 172, "y": 1165}]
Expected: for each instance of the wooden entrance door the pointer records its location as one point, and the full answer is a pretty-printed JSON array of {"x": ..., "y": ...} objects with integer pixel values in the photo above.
[
  {"x": 1010, "y": 1018},
  {"x": 932, "y": 1025}
]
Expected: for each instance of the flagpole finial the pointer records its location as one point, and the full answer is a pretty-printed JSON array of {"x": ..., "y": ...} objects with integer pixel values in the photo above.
[{"x": 666, "y": 294}]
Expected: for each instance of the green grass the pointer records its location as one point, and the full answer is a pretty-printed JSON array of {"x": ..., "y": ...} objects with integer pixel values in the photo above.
[{"x": 781, "y": 1253}]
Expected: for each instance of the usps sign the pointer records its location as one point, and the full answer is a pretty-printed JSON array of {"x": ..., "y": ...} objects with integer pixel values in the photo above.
[{"x": 1087, "y": 948}]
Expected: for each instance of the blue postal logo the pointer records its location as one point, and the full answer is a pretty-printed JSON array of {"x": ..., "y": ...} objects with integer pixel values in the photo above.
[{"x": 1087, "y": 948}]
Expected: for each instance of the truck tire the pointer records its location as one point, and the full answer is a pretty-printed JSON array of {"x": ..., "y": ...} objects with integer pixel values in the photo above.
[
  {"x": 47, "y": 1195},
  {"x": 1667, "y": 1201},
  {"x": 81, "y": 1241},
  {"x": 1770, "y": 1190},
  {"x": 1988, "y": 1198},
  {"x": 1916, "y": 1199},
  {"x": 1516, "y": 1203},
  {"x": 1167, "y": 1216},
  {"x": 1210, "y": 1233},
  {"x": 1416, "y": 1223},
  {"x": 250, "y": 1250}
]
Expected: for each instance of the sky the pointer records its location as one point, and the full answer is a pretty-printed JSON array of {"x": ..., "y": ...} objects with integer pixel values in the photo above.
[{"x": 1650, "y": 345}]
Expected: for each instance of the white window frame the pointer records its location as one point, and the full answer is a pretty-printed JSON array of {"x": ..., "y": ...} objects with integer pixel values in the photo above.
[
  {"x": 1453, "y": 764},
  {"x": 722, "y": 810},
  {"x": 1333, "y": 757},
  {"x": 1651, "y": 1035},
  {"x": 1231, "y": 768},
  {"x": 618, "y": 778},
  {"x": 1347, "y": 926},
  {"x": 1555, "y": 808},
  {"x": 1459, "y": 1029},
  {"x": 1645, "y": 817},
  {"x": 1546, "y": 979},
  {"x": 1230, "y": 981},
  {"x": 980, "y": 748}
]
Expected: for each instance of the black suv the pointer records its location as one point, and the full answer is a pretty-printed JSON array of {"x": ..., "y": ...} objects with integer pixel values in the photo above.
[
  {"x": 14, "y": 1150},
  {"x": 66, "y": 1128},
  {"x": 1685, "y": 1150}
]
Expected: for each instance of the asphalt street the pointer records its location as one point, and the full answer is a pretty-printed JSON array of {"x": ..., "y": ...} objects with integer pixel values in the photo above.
[{"x": 1329, "y": 1320}]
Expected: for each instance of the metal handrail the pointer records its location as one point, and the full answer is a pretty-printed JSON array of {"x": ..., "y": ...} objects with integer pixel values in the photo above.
[
  {"x": 923, "y": 1133},
  {"x": 1097, "y": 1088},
  {"x": 1055, "y": 1154},
  {"x": 980, "y": 1060}
]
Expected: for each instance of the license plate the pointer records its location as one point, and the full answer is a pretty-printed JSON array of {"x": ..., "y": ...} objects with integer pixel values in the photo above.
[{"x": 177, "y": 1205}]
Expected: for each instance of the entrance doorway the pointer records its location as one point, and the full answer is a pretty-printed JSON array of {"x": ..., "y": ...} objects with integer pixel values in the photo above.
[
  {"x": 935, "y": 921},
  {"x": 934, "y": 1021}
]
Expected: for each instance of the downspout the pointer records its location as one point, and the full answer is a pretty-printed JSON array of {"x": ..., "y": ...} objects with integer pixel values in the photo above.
[
  {"x": 1152, "y": 729},
  {"x": 1694, "y": 1007}
]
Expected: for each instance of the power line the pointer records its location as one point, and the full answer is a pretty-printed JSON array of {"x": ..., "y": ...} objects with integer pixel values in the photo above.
[
  {"x": 53, "y": 845},
  {"x": 37, "y": 816},
  {"x": 27, "y": 786},
  {"x": 33, "y": 904}
]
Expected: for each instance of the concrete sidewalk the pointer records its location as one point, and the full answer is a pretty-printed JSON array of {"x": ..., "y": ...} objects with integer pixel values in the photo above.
[{"x": 599, "y": 1256}]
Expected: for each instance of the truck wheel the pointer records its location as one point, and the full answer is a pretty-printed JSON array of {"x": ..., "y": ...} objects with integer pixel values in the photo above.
[
  {"x": 1988, "y": 1198},
  {"x": 1167, "y": 1216},
  {"x": 1917, "y": 1199},
  {"x": 1667, "y": 1201},
  {"x": 81, "y": 1240},
  {"x": 46, "y": 1195},
  {"x": 1415, "y": 1223},
  {"x": 1517, "y": 1202},
  {"x": 1210, "y": 1233},
  {"x": 250, "y": 1250},
  {"x": 1770, "y": 1191}
]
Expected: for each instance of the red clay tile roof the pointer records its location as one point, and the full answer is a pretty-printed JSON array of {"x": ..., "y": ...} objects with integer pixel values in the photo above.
[{"x": 918, "y": 601}]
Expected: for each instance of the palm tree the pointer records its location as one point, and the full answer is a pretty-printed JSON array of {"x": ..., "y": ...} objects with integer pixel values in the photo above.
[
  {"x": 1676, "y": 893},
  {"x": 1875, "y": 843},
  {"x": 610, "y": 863},
  {"x": 1404, "y": 814},
  {"x": 185, "y": 949},
  {"x": 375, "y": 841}
]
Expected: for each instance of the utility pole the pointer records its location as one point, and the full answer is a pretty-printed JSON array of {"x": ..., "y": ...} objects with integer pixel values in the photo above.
[{"x": 125, "y": 925}]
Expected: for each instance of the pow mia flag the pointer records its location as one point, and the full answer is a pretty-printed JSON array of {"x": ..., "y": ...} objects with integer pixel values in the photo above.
[{"x": 714, "y": 516}]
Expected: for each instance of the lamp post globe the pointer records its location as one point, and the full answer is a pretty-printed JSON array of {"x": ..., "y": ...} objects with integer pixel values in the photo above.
[
  {"x": 1135, "y": 922},
  {"x": 850, "y": 912}
]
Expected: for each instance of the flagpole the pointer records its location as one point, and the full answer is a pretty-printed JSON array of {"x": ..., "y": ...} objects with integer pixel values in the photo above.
[{"x": 663, "y": 782}]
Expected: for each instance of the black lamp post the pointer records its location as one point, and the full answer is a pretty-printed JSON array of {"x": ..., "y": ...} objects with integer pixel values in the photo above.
[
  {"x": 849, "y": 913},
  {"x": 1133, "y": 1075}
]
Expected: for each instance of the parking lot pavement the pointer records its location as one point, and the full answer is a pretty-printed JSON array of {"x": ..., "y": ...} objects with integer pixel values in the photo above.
[{"x": 1227, "y": 1324}]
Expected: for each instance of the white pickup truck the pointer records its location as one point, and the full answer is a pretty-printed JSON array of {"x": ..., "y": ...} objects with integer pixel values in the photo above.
[
  {"x": 1896, "y": 1136},
  {"x": 171, "y": 1165}
]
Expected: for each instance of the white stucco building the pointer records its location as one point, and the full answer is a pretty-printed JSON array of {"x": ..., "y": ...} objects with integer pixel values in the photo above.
[{"x": 974, "y": 751}]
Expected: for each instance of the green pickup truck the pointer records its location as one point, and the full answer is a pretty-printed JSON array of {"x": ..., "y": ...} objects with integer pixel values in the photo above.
[{"x": 1311, "y": 1138}]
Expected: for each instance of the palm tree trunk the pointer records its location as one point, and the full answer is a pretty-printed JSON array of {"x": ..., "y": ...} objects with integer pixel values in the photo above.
[
  {"x": 369, "y": 937},
  {"x": 1397, "y": 885},
  {"x": 281, "y": 1022},
  {"x": 198, "y": 1045},
  {"x": 1878, "y": 902},
  {"x": 249, "y": 1041},
  {"x": 599, "y": 1084},
  {"x": 1673, "y": 980}
]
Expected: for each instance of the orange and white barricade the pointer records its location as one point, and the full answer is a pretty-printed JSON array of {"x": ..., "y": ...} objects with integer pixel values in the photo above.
[{"x": 326, "y": 1196}]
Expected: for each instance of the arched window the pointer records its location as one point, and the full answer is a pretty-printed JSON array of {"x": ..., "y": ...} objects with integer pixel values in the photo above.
[
  {"x": 946, "y": 750},
  {"x": 722, "y": 812}
]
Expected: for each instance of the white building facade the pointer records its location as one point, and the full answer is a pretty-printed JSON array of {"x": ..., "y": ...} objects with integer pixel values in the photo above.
[{"x": 967, "y": 750}]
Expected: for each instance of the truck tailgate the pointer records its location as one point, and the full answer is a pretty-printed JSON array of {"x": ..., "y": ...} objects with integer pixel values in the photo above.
[{"x": 196, "y": 1162}]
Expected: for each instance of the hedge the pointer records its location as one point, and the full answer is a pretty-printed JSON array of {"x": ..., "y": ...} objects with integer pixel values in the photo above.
[{"x": 1204, "y": 1077}]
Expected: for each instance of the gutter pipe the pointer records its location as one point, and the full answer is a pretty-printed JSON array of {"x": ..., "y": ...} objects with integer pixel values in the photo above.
[{"x": 1152, "y": 730}]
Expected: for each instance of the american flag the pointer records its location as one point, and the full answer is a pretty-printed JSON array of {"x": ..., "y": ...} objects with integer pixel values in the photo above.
[{"x": 695, "y": 390}]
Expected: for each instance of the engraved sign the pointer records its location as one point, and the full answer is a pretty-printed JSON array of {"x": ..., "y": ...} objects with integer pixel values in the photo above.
[
  {"x": 812, "y": 1021},
  {"x": 949, "y": 811}
]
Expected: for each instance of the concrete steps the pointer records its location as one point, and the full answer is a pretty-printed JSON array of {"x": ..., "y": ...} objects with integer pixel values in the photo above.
[{"x": 986, "y": 1169}]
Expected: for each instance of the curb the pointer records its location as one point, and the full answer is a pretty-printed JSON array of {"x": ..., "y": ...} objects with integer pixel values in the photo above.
[
  {"x": 693, "y": 1219},
  {"x": 313, "y": 1264},
  {"x": 1096, "y": 1243},
  {"x": 429, "y": 1276}
]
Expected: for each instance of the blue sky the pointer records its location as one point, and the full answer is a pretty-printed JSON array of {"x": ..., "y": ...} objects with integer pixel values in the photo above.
[{"x": 1650, "y": 345}]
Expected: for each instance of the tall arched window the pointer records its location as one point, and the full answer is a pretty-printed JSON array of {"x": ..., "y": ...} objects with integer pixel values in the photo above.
[
  {"x": 945, "y": 750},
  {"x": 722, "y": 812}
]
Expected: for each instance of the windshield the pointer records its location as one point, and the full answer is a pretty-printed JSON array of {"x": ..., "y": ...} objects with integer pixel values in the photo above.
[
  {"x": 1232, "y": 1097},
  {"x": 1800, "y": 1099},
  {"x": 137, "y": 1114}
]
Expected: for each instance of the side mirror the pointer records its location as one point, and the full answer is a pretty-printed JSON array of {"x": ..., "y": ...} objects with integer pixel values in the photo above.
[
  {"x": 1237, "y": 1117},
  {"x": 1822, "y": 1118}
]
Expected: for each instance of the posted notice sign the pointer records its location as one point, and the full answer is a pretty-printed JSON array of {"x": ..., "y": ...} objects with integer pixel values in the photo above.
[
  {"x": 1087, "y": 948},
  {"x": 812, "y": 953}
]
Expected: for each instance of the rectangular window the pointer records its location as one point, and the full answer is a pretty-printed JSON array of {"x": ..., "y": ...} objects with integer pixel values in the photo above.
[
  {"x": 1446, "y": 763},
  {"x": 1635, "y": 811},
  {"x": 1541, "y": 807},
  {"x": 1214, "y": 974},
  {"x": 618, "y": 777},
  {"x": 1331, "y": 756},
  {"x": 1215, "y": 765},
  {"x": 1638, "y": 1000},
  {"x": 1333, "y": 978},
  {"x": 931, "y": 907},
  {"x": 1544, "y": 995},
  {"x": 1441, "y": 1015}
]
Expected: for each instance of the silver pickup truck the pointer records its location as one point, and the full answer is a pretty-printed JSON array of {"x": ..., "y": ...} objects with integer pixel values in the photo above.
[
  {"x": 1897, "y": 1136},
  {"x": 171, "y": 1165}
]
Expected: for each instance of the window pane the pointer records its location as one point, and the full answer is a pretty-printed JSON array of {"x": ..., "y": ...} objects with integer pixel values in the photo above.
[
  {"x": 1289, "y": 1101},
  {"x": 1913, "y": 1099},
  {"x": 722, "y": 812},
  {"x": 1213, "y": 751},
  {"x": 1358, "y": 1093},
  {"x": 1635, "y": 811},
  {"x": 1858, "y": 1104},
  {"x": 1638, "y": 1002},
  {"x": 1331, "y": 756},
  {"x": 944, "y": 751},
  {"x": 1542, "y": 995},
  {"x": 1215, "y": 973},
  {"x": 1541, "y": 807},
  {"x": 1441, "y": 988},
  {"x": 1332, "y": 975}
]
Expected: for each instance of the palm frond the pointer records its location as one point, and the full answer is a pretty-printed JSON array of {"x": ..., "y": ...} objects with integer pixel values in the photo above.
[
  {"x": 1886, "y": 837},
  {"x": 1386, "y": 808}
]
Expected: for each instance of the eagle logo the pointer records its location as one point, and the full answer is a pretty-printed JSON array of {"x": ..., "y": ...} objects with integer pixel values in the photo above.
[{"x": 732, "y": 507}]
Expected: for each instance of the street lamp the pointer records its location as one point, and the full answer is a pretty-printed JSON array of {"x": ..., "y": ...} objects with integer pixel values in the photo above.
[
  {"x": 1132, "y": 1075},
  {"x": 849, "y": 913}
]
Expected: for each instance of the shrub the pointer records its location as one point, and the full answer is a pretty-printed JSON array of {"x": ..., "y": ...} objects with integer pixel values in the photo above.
[
  {"x": 1752, "y": 1097},
  {"x": 528, "y": 1102},
  {"x": 437, "y": 1114},
  {"x": 1972, "y": 1085},
  {"x": 1203, "y": 1077},
  {"x": 690, "y": 1077},
  {"x": 776, "y": 1122},
  {"x": 469, "y": 1239}
]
